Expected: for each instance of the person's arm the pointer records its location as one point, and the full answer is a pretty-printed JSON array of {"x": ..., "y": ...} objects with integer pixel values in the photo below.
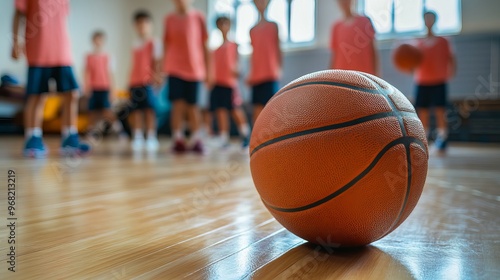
[
  {"x": 333, "y": 46},
  {"x": 157, "y": 59},
  {"x": 86, "y": 79},
  {"x": 207, "y": 54},
  {"x": 236, "y": 70},
  {"x": 19, "y": 17},
  {"x": 452, "y": 62}
]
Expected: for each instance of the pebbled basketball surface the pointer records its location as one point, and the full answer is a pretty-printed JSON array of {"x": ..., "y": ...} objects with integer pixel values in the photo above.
[{"x": 339, "y": 156}]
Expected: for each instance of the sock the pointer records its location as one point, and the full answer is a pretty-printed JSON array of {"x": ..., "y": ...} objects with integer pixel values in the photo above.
[
  {"x": 117, "y": 126},
  {"x": 138, "y": 134},
  {"x": 224, "y": 136},
  {"x": 442, "y": 133},
  {"x": 244, "y": 130},
  {"x": 69, "y": 130},
  {"x": 196, "y": 136},
  {"x": 178, "y": 135},
  {"x": 37, "y": 131},
  {"x": 28, "y": 132},
  {"x": 151, "y": 134}
]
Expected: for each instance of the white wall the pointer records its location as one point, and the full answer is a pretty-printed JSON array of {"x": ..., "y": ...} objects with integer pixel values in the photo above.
[{"x": 115, "y": 17}]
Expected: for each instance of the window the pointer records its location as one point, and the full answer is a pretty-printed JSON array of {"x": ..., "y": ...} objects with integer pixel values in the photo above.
[
  {"x": 296, "y": 21},
  {"x": 394, "y": 18}
]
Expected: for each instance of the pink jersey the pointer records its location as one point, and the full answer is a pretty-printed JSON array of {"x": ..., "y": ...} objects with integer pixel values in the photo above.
[
  {"x": 435, "y": 67},
  {"x": 265, "y": 57},
  {"x": 352, "y": 44},
  {"x": 184, "y": 40},
  {"x": 98, "y": 68},
  {"x": 225, "y": 64},
  {"x": 143, "y": 58},
  {"x": 46, "y": 36}
]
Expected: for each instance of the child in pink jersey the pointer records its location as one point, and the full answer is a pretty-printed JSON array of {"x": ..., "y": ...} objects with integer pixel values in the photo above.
[
  {"x": 266, "y": 61},
  {"x": 432, "y": 76},
  {"x": 146, "y": 58},
  {"x": 49, "y": 57},
  {"x": 98, "y": 83},
  {"x": 187, "y": 64},
  {"x": 353, "y": 42},
  {"x": 224, "y": 95}
]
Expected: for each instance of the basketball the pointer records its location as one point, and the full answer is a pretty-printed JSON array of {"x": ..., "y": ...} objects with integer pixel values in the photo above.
[
  {"x": 406, "y": 58},
  {"x": 339, "y": 157}
]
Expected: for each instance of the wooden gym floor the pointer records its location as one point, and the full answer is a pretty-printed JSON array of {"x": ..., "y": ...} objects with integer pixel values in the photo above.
[{"x": 116, "y": 215}]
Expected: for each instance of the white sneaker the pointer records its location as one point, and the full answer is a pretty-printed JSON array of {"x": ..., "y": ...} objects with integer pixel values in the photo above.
[
  {"x": 152, "y": 144},
  {"x": 137, "y": 144}
]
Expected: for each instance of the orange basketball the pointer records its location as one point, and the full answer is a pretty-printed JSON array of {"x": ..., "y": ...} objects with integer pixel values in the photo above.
[
  {"x": 406, "y": 58},
  {"x": 339, "y": 157}
]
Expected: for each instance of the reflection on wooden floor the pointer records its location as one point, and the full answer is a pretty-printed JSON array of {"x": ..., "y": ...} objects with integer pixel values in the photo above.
[{"x": 116, "y": 215}]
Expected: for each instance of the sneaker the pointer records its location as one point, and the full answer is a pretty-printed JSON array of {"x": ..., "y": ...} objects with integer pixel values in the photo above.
[
  {"x": 152, "y": 144},
  {"x": 441, "y": 144},
  {"x": 198, "y": 148},
  {"x": 35, "y": 148},
  {"x": 245, "y": 142},
  {"x": 179, "y": 147},
  {"x": 72, "y": 146},
  {"x": 137, "y": 144}
]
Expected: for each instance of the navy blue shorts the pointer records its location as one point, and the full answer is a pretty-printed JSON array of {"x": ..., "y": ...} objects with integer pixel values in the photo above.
[
  {"x": 431, "y": 96},
  {"x": 38, "y": 79},
  {"x": 221, "y": 98},
  {"x": 262, "y": 93},
  {"x": 99, "y": 100},
  {"x": 179, "y": 89},
  {"x": 142, "y": 98}
]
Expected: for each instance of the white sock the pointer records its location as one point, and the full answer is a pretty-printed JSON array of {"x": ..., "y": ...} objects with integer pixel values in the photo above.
[
  {"x": 28, "y": 132},
  {"x": 442, "y": 133},
  {"x": 244, "y": 130},
  {"x": 37, "y": 131},
  {"x": 138, "y": 134},
  {"x": 196, "y": 136},
  {"x": 178, "y": 135},
  {"x": 69, "y": 130},
  {"x": 224, "y": 136},
  {"x": 151, "y": 134}
]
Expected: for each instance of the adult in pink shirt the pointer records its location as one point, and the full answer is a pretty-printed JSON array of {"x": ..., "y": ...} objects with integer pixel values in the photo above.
[
  {"x": 225, "y": 93},
  {"x": 48, "y": 53},
  {"x": 98, "y": 83},
  {"x": 432, "y": 76},
  {"x": 187, "y": 65},
  {"x": 353, "y": 42},
  {"x": 266, "y": 61}
]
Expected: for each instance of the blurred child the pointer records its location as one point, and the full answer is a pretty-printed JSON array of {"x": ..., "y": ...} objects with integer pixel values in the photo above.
[
  {"x": 437, "y": 67},
  {"x": 145, "y": 68},
  {"x": 48, "y": 53},
  {"x": 186, "y": 64},
  {"x": 266, "y": 61},
  {"x": 98, "y": 83},
  {"x": 226, "y": 83},
  {"x": 353, "y": 42}
]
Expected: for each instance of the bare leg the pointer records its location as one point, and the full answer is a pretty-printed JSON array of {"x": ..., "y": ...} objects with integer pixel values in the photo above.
[
  {"x": 194, "y": 121},
  {"x": 70, "y": 109},
  {"x": 257, "y": 109},
  {"x": 207, "y": 121},
  {"x": 150, "y": 120},
  {"x": 442, "y": 122},
  {"x": 423, "y": 115},
  {"x": 223, "y": 122},
  {"x": 177, "y": 118}
]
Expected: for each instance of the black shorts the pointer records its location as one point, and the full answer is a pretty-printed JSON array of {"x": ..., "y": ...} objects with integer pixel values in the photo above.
[
  {"x": 221, "y": 98},
  {"x": 99, "y": 100},
  {"x": 38, "y": 79},
  {"x": 431, "y": 96},
  {"x": 262, "y": 93},
  {"x": 142, "y": 98},
  {"x": 179, "y": 89}
]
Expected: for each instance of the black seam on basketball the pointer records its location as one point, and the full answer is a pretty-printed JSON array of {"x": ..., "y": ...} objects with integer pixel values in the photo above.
[
  {"x": 404, "y": 140},
  {"x": 385, "y": 94},
  {"x": 331, "y": 127}
]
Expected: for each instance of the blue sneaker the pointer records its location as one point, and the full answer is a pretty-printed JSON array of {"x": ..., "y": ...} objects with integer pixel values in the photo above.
[
  {"x": 441, "y": 144},
  {"x": 72, "y": 146},
  {"x": 35, "y": 148},
  {"x": 245, "y": 142}
]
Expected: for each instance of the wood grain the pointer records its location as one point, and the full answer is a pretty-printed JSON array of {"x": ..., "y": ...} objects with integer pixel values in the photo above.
[{"x": 119, "y": 215}]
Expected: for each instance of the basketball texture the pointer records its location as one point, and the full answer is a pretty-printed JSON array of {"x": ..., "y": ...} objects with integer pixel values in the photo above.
[
  {"x": 339, "y": 157},
  {"x": 406, "y": 58}
]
